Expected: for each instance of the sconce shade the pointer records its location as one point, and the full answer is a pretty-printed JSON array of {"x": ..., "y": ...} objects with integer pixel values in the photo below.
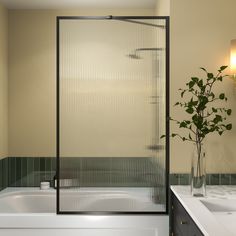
[{"x": 233, "y": 58}]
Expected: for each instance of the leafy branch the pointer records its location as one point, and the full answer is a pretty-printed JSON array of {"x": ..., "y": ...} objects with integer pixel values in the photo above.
[{"x": 205, "y": 118}]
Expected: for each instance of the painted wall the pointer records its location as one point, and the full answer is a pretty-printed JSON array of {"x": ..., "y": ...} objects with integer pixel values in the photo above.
[
  {"x": 162, "y": 7},
  {"x": 3, "y": 82},
  {"x": 32, "y": 67},
  {"x": 200, "y": 37}
]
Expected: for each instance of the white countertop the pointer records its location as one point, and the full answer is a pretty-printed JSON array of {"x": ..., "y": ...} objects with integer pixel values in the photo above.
[{"x": 204, "y": 219}]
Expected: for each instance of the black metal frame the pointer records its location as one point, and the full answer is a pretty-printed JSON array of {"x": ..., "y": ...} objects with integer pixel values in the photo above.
[{"x": 123, "y": 18}]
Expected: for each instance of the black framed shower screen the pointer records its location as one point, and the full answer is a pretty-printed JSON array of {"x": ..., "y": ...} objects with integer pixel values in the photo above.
[{"x": 112, "y": 107}]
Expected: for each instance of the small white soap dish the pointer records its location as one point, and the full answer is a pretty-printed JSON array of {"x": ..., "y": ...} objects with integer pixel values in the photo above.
[{"x": 44, "y": 185}]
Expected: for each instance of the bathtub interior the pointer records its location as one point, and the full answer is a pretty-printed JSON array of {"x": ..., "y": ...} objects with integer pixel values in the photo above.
[
  {"x": 110, "y": 200},
  {"x": 34, "y": 200},
  {"x": 15, "y": 200},
  {"x": 119, "y": 184}
]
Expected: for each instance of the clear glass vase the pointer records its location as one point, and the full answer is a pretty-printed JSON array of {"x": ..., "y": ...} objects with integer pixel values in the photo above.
[{"x": 198, "y": 171}]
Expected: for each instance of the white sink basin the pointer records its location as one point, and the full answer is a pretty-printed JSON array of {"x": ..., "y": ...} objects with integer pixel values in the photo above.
[
  {"x": 220, "y": 205},
  {"x": 224, "y": 211}
]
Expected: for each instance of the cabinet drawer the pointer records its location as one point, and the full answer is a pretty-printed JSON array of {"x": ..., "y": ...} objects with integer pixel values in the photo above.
[
  {"x": 182, "y": 223},
  {"x": 181, "y": 220},
  {"x": 177, "y": 232}
]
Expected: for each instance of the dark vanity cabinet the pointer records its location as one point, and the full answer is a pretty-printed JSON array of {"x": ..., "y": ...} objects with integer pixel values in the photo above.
[{"x": 181, "y": 224}]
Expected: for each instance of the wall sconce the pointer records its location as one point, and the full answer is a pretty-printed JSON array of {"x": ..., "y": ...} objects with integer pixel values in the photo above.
[{"x": 233, "y": 59}]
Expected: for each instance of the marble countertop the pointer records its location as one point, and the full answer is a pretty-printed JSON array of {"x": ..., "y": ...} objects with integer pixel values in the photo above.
[{"x": 205, "y": 220}]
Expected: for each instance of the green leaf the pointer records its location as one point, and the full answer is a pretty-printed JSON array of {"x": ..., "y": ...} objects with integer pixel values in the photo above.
[
  {"x": 202, "y": 135},
  {"x": 203, "y": 100},
  {"x": 195, "y": 79},
  {"x": 220, "y": 78},
  {"x": 195, "y": 117},
  {"x": 198, "y": 121},
  {"x": 212, "y": 129},
  {"x": 192, "y": 103},
  {"x": 203, "y": 88},
  {"x": 200, "y": 83},
  {"x": 222, "y": 68},
  {"x": 191, "y": 84},
  {"x": 220, "y": 132},
  {"x": 203, "y": 69},
  {"x": 190, "y": 110},
  {"x": 183, "y": 138},
  {"x": 229, "y": 126},
  {"x": 229, "y": 111},
  {"x": 217, "y": 119},
  {"x": 162, "y": 136},
  {"x": 222, "y": 96},
  {"x": 214, "y": 110},
  {"x": 182, "y": 93},
  {"x": 205, "y": 130},
  {"x": 183, "y": 124},
  {"x": 210, "y": 75},
  {"x": 176, "y": 104},
  {"x": 173, "y": 135}
]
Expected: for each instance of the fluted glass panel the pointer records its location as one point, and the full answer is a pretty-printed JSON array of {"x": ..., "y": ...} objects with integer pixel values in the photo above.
[{"x": 112, "y": 103}]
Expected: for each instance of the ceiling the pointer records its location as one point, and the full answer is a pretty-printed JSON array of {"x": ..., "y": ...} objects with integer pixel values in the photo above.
[{"x": 58, "y": 4}]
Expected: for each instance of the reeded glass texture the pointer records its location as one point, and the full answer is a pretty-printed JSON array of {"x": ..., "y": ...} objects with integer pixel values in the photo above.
[{"x": 112, "y": 104}]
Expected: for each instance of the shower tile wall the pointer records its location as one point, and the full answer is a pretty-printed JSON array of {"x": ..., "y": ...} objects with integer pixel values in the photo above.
[
  {"x": 29, "y": 171},
  {"x": 211, "y": 179},
  {"x": 114, "y": 172},
  {"x": 4, "y": 173},
  {"x": 93, "y": 172}
]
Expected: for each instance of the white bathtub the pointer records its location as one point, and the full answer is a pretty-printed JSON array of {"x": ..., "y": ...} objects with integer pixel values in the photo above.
[{"x": 30, "y": 211}]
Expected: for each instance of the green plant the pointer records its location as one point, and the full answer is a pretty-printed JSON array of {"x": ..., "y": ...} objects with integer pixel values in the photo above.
[{"x": 205, "y": 117}]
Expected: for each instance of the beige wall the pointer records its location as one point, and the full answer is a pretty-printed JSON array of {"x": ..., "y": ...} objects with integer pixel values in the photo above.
[
  {"x": 162, "y": 8},
  {"x": 32, "y": 67},
  {"x": 3, "y": 83},
  {"x": 201, "y": 31}
]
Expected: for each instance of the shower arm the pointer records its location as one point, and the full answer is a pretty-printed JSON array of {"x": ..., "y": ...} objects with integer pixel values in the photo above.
[
  {"x": 149, "y": 49},
  {"x": 141, "y": 23},
  {"x": 110, "y": 17}
]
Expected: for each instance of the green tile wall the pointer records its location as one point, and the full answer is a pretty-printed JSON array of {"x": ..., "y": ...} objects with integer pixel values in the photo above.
[
  {"x": 30, "y": 171},
  {"x": 211, "y": 179},
  {"x": 3, "y": 173},
  {"x": 91, "y": 172},
  {"x": 112, "y": 172}
]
